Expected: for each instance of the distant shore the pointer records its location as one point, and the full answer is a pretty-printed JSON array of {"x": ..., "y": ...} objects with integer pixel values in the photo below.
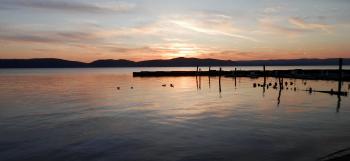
[{"x": 176, "y": 62}]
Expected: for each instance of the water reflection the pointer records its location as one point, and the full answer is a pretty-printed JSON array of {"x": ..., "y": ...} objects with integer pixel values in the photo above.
[
  {"x": 338, "y": 103},
  {"x": 85, "y": 114},
  {"x": 209, "y": 81},
  {"x": 235, "y": 82},
  {"x": 292, "y": 85}
]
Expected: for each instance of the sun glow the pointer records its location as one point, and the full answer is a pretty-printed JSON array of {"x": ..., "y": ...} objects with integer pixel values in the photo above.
[{"x": 181, "y": 50}]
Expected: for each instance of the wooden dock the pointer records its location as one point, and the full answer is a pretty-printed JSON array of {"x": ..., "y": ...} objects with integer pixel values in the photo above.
[
  {"x": 338, "y": 75},
  {"x": 296, "y": 73}
]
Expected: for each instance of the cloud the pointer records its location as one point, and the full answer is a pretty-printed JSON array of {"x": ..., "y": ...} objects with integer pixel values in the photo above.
[
  {"x": 210, "y": 24},
  {"x": 237, "y": 55},
  {"x": 289, "y": 26},
  {"x": 271, "y": 10},
  {"x": 176, "y": 26},
  {"x": 67, "y": 6},
  {"x": 137, "y": 50},
  {"x": 270, "y": 25},
  {"x": 300, "y": 23},
  {"x": 16, "y": 36},
  {"x": 136, "y": 53},
  {"x": 200, "y": 29},
  {"x": 253, "y": 55}
]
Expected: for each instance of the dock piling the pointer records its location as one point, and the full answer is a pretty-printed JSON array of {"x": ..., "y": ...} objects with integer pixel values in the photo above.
[
  {"x": 340, "y": 74},
  {"x": 220, "y": 80},
  {"x": 200, "y": 79},
  {"x": 197, "y": 70},
  {"x": 264, "y": 85}
]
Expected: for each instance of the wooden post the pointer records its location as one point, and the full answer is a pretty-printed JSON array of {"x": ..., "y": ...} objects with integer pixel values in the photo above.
[
  {"x": 280, "y": 81},
  {"x": 279, "y": 97},
  {"x": 197, "y": 81},
  {"x": 209, "y": 76},
  {"x": 264, "y": 85},
  {"x": 340, "y": 75},
  {"x": 197, "y": 76},
  {"x": 235, "y": 77},
  {"x": 338, "y": 103},
  {"x": 220, "y": 80},
  {"x": 200, "y": 79},
  {"x": 235, "y": 81},
  {"x": 264, "y": 67},
  {"x": 340, "y": 82},
  {"x": 235, "y": 72},
  {"x": 209, "y": 80}
]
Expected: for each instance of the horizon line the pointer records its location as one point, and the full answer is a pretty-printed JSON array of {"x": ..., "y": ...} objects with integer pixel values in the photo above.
[{"x": 172, "y": 59}]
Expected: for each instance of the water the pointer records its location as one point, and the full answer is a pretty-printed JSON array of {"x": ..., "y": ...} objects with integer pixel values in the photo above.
[{"x": 78, "y": 114}]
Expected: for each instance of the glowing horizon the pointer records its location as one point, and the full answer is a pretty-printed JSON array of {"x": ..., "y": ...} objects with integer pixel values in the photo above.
[{"x": 162, "y": 29}]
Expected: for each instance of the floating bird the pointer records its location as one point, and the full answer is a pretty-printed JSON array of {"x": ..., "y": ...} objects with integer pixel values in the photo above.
[
  {"x": 171, "y": 85},
  {"x": 131, "y": 87},
  {"x": 291, "y": 83},
  {"x": 118, "y": 88},
  {"x": 254, "y": 85},
  {"x": 164, "y": 85},
  {"x": 310, "y": 90},
  {"x": 295, "y": 88}
]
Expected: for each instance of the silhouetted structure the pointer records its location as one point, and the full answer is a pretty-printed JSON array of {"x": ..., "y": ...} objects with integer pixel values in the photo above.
[{"x": 329, "y": 74}]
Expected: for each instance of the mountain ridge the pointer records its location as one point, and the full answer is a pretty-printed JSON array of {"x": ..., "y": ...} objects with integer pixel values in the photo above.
[{"x": 175, "y": 62}]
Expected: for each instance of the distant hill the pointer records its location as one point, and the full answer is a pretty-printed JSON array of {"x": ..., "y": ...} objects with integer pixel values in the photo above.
[
  {"x": 185, "y": 62},
  {"x": 112, "y": 63},
  {"x": 177, "y": 62},
  {"x": 40, "y": 63}
]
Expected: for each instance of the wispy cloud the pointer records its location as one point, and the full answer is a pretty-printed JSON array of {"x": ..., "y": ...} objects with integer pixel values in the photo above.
[
  {"x": 300, "y": 23},
  {"x": 271, "y": 10},
  {"x": 24, "y": 36},
  {"x": 275, "y": 26},
  {"x": 200, "y": 29},
  {"x": 254, "y": 55},
  {"x": 289, "y": 26},
  {"x": 211, "y": 24},
  {"x": 67, "y": 6}
]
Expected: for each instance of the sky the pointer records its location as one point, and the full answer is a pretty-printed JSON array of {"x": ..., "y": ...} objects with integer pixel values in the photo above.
[{"x": 87, "y": 30}]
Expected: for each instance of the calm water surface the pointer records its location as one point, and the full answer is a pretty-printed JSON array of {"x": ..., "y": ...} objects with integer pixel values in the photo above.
[{"x": 79, "y": 115}]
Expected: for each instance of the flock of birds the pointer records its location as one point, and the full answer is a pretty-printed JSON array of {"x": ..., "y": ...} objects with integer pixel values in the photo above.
[
  {"x": 275, "y": 85},
  {"x": 163, "y": 85},
  {"x": 267, "y": 85}
]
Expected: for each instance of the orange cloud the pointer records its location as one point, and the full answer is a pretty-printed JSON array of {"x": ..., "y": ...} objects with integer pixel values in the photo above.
[
  {"x": 309, "y": 26},
  {"x": 211, "y": 24},
  {"x": 273, "y": 26}
]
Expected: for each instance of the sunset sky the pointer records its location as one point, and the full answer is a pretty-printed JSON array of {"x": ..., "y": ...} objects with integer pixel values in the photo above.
[{"x": 87, "y": 30}]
